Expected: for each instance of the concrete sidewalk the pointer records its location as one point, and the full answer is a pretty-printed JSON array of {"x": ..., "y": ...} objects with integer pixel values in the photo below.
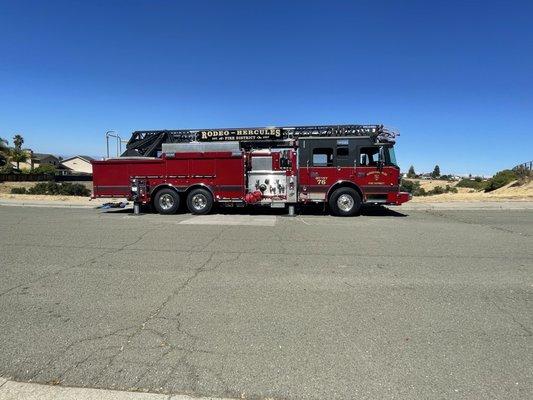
[
  {"x": 54, "y": 204},
  {"x": 11, "y": 390}
]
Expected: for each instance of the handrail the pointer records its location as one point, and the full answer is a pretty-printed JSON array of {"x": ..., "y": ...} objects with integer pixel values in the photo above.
[{"x": 113, "y": 134}]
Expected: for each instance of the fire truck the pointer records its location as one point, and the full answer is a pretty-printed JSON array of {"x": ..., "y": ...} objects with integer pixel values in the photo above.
[{"x": 343, "y": 166}]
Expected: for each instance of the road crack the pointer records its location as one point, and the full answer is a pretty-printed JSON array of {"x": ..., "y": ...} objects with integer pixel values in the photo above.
[{"x": 90, "y": 260}]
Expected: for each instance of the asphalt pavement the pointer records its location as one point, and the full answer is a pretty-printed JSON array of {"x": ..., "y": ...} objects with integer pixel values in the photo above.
[{"x": 429, "y": 304}]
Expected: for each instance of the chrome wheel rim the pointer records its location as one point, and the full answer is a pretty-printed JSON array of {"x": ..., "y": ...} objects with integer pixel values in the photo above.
[
  {"x": 199, "y": 201},
  {"x": 166, "y": 201},
  {"x": 345, "y": 202}
]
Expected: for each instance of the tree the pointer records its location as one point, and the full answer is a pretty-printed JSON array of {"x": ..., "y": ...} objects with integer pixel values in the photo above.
[
  {"x": 18, "y": 156},
  {"x": 4, "y": 152},
  {"x": 436, "y": 172},
  {"x": 501, "y": 179},
  {"x": 18, "y": 140},
  {"x": 411, "y": 173}
]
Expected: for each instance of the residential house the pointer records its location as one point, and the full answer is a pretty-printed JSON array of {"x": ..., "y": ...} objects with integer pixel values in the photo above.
[
  {"x": 79, "y": 164},
  {"x": 35, "y": 160}
]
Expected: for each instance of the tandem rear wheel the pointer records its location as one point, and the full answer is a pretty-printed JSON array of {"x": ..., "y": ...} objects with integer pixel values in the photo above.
[
  {"x": 199, "y": 201},
  {"x": 345, "y": 202},
  {"x": 167, "y": 201}
]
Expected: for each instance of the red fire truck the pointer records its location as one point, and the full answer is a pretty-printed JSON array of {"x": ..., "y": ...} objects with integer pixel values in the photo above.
[{"x": 341, "y": 165}]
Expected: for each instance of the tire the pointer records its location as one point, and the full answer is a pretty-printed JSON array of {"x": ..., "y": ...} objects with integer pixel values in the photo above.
[
  {"x": 167, "y": 201},
  {"x": 199, "y": 201},
  {"x": 345, "y": 202}
]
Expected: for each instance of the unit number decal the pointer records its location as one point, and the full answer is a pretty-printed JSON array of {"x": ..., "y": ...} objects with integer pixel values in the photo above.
[{"x": 321, "y": 180}]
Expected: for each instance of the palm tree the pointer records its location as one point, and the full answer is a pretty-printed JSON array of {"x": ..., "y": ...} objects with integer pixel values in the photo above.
[
  {"x": 18, "y": 156},
  {"x": 17, "y": 141}
]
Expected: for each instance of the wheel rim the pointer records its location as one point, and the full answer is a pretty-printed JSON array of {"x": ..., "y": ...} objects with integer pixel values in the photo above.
[
  {"x": 345, "y": 202},
  {"x": 199, "y": 201},
  {"x": 166, "y": 201}
]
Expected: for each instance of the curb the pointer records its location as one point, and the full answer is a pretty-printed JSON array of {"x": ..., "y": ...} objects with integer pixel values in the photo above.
[
  {"x": 11, "y": 390},
  {"x": 468, "y": 206},
  {"x": 52, "y": 205}
]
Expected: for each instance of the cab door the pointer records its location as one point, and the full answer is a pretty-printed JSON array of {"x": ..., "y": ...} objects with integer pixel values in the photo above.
[
  {"x": 319, "y": 169},
  {"x": 346, "y": 159},
  {"x": 377, "y": 175}
]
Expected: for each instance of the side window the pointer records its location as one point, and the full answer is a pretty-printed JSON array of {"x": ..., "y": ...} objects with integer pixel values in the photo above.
[
  {"x": 344, "y": 158},
  {"x": 343, "y": 151},
  {"x": 368, "y": 156},
  {"x": 322, "y": 157}
]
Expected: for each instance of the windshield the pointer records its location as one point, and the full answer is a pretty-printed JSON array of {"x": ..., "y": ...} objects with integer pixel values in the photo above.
[{"x": 390, "y": 156}]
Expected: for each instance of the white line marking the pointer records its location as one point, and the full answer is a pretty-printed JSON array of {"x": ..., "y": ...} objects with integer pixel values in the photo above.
[
  {"x": 220, "y": 219},
  {"x": 304, "y": 221}
]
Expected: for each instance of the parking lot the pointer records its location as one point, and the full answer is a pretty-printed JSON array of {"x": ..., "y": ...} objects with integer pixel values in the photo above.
[{"x": 391, "y": 304}]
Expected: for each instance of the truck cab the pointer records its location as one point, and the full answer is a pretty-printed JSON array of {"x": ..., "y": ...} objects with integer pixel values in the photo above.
[{"x": 347, "y": 172}]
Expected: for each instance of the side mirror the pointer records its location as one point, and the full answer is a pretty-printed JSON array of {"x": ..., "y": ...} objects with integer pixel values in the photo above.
[{"x": 364, "y": 159}]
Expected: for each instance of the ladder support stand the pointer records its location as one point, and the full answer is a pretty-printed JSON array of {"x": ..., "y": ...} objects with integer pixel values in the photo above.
[
  {"x": 139, "y": 194},
  {"x": 291, "y": 210}
]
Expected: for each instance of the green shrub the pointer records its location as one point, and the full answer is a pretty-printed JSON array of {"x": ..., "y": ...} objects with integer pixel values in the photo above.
[
  {"x": 420, "y": 192},
  {"x": 74, "y": 189},
  {"x": 409, "y": 186},
  {"x": 437, "y": 190},
  {"x": 44, "y": 188},
  {"x": 18, "y": 190},
  {"x": 7, "y": 169},
  {"x": 412, "y": 187},
  {"x": 65, "y": 189},
  {"x": 415, "y": 189},
  {"x": 451, "y": 189},
  {"x": 44, "y": 169},
  {"x": 501, "y": 179},
  {"x": 441, "y": 190},
  {"x": 472, "y": 184}
]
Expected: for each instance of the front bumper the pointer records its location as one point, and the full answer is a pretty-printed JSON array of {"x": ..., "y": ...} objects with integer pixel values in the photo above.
[{"x": 398, "y": 198}]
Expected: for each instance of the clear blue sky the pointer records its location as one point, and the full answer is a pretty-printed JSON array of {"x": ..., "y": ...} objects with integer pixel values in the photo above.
[{"x": 456, "y": 78}]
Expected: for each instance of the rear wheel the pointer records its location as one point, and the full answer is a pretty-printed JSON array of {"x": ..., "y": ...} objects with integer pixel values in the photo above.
[
  {"x": 199, "y": 201},
  {"x": 167, "y": 201},
  {"x": 345, "y": 202}
]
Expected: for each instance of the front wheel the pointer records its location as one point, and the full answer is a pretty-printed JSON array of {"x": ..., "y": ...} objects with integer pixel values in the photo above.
[
  {"x": 345, "y": 202},
  {"x": 199, "y": 201}
]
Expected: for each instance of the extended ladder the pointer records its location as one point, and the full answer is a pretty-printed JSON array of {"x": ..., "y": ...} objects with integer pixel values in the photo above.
[{"x": 149, "y": 143}]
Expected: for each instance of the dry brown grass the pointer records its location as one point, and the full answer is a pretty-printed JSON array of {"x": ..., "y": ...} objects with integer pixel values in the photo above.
[
  {"x": 431, "y": 184},
  {"x": 506, "y": 193}
]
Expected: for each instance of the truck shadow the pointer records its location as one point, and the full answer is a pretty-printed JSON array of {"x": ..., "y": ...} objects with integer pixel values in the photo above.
[{"x": 310, "y": 210}]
